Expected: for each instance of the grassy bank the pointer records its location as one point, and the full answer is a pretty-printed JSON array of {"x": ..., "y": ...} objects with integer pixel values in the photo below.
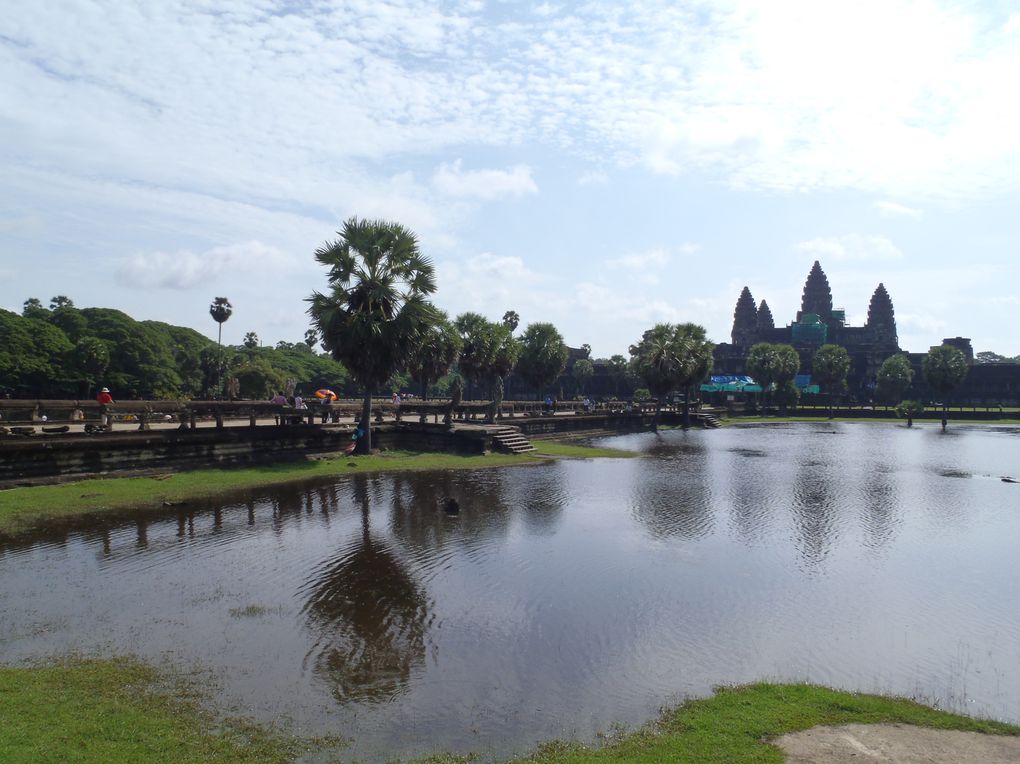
[
  {"x": 111, "y": 711},
  {"x": 27, "y": 510},
  {"x": 122, "y": 711},
  {"x": 736, "y": 724}
]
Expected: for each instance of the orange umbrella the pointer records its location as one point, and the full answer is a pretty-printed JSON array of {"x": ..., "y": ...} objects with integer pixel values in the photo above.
[{"x": 324, "y": 393}]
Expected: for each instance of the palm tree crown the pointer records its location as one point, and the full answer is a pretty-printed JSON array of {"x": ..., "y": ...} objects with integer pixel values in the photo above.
[
  {"x": 375, "y": 310},
  {"x": 221, "y": 310}
]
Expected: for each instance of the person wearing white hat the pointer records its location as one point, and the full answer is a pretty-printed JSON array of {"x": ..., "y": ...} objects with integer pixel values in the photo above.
[{"x": 104, "y": 398}]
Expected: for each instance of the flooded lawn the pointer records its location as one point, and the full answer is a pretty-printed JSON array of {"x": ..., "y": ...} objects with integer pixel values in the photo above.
[{"x": 564, "y": 598}]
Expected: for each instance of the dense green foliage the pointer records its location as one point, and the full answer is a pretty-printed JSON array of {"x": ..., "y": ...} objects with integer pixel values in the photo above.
[
  {"x": 672, "y": 357},
  {"x": 488, "y": 349},
  {"x": 543, "y": 356},
  {"x": 66, "y": 353},
  {"x": 945, "y": 368},
  {"x": 829, "y": 368},
  {"x": 894, "y": 377},
  {"x": 375, "y": 312},
  {"x": 774, "y": 364},
  {"x": 435, "y": 353}
]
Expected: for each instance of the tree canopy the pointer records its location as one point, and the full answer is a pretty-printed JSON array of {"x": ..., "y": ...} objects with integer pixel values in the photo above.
[
  {"x": 894, "y": 377},
  {"x": 773, "y": 364},
  {"x": 375, "y": 310},
  {"x": 543, "y": 356}
]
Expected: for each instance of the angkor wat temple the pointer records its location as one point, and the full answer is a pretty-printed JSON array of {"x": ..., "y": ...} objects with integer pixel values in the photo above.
[{"x": 818, "y": 323}]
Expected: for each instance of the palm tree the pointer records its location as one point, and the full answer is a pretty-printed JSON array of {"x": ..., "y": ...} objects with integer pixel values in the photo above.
[
  {"x": 894, "y": 377},
  {"x": 511, "y": 319},
  {"x": 543, "y": 356},
  {"x": 830, "y": 365},
  {"x": 694, "y": 357},
  {"x": 945, "y": 368},
  {"x": 221, "y": 310},
  {"x": 655, "y": 360},
  {"x": 435, "y": 354},
  {"x": 375, "y": 310},
  {"x": 251, "y": 340}
]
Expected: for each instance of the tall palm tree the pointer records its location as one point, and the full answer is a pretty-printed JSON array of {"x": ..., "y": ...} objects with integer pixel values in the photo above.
[
  {"x": 375, "y": 311},
  {"x": 435, "y": 354},
  {"x": 694, "y": 361},
  {"x": 221, "y": 310},
  {"x": 655, "y": 360}
]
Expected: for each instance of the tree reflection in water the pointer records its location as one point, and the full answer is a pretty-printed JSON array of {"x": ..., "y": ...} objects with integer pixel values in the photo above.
[
  {"x": 370, "y": 616},
  {"x": 671, "y": 497}
]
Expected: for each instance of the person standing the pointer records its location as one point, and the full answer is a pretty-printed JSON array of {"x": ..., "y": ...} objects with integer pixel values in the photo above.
[{"x": 104, "y": 399}]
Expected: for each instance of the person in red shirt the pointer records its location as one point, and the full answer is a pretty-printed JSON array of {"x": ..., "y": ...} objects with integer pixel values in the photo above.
[{"x": 103, "y": 399}]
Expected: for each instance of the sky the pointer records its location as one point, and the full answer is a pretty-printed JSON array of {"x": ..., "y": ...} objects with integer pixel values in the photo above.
[{"x": 602, "y": 166}]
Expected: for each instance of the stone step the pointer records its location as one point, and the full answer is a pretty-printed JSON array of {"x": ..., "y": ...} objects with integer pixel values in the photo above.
[{"x": 511, "y": 440}]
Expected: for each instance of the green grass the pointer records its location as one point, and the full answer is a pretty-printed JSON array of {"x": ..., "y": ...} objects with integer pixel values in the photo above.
[
  {"x": 557, "y": 448},
  {"x": 736, "y": 725},
  {"x": 29, "y": 509},
  {"x": 124, "y": 711},
  {"x": 115, "y": 711}
]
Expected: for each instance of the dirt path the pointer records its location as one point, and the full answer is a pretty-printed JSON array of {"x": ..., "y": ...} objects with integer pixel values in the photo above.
[{"x": 865, "y": 743}]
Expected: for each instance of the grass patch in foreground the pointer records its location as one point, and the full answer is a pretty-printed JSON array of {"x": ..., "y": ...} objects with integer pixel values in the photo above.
[
  {"x": 108, "y": 711},
  {"x": 736, "y": 724},
  {"x": 23, "y": 510},
  {"x": 558, "y": 448}
]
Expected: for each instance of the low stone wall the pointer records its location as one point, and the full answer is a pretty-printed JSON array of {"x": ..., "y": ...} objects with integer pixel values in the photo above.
[
  {"x": 550, "y": 425},
  {"x": 57, "y": 456}
]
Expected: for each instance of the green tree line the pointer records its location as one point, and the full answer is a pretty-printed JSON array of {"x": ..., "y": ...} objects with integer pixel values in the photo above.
[{"x": 62, "y": 351}]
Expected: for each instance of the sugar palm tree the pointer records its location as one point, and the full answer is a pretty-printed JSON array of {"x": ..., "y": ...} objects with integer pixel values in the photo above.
[
  {"x": 436, "y": 353},
  {"x": 945, "y": 368},
  {"x": 220, "y": 310},
  {"x": 375, "y": 310},
  {"x": 655, "y": 360},
  {"x": 694, "y": 361}
]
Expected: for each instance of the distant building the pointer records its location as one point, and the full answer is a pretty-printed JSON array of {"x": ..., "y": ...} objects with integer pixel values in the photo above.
[{"x": 818, "y": 323}]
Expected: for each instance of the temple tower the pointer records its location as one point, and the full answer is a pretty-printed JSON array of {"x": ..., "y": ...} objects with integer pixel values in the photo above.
[
  {"x": 745, "y": 320},
  {"x": 882, "y": 318},
  {"x": 765, "y": 320},
  {"x": 817, "y": 297}
]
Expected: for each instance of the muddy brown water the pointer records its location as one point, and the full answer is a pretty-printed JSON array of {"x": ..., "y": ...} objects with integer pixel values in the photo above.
[{"x": 565, "y": 598}]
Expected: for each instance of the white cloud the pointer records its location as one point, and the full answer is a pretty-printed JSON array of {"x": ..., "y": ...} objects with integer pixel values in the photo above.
[
  {"x": 851, "y": 247},
  {"x": 895, "y": 209},
  {"x": 593, "y": 178},
  {"x": 185, "y": 269},
  {"x": 655, "y": 258},
  {"x": 451, "y": 179}
]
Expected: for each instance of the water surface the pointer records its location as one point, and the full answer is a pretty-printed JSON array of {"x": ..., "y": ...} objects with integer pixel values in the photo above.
[{"x": 565, "y": 597}]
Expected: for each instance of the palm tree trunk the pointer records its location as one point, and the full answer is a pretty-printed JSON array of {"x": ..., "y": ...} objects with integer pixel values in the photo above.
[
  {"x": 687, "y": 407},
  {"x": 945, "y": 416},
  {"x": 655, "y": 419},
  {"x": 219, "y": 337},
  {"x": 365, "y": 441}
]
